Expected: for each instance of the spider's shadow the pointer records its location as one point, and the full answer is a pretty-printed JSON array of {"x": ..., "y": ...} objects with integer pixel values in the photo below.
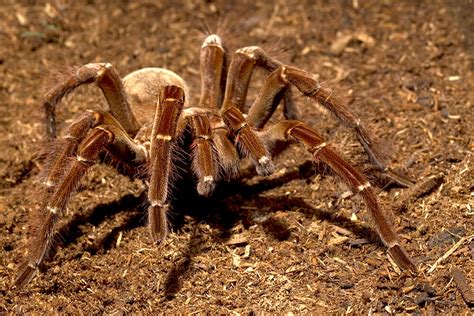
[{"x": 222, "y": 211}]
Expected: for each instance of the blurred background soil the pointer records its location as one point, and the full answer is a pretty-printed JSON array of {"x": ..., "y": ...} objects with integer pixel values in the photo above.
[{"x": 294, "y": 242}]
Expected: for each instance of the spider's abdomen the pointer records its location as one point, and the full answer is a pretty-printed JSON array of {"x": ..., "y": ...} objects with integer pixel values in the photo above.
[{"x": 143, "y": 89}]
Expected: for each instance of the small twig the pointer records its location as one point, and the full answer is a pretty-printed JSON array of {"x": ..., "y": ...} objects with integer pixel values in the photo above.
[
  {"x": 418, "y": 190},
  {"x": 466, "y": 290},
  {"x": 449, "y": 252},
  {"x": 276, "y": 10}
]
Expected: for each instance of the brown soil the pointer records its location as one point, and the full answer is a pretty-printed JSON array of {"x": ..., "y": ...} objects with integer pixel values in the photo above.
[{"x": 282, "y": 244}]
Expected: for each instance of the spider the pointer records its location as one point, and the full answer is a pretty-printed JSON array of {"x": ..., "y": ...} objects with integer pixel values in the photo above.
[{"x": 147, "y": 115}]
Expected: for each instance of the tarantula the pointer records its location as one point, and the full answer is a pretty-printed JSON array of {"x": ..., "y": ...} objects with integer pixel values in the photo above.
[{"x": 148, "y": 113}]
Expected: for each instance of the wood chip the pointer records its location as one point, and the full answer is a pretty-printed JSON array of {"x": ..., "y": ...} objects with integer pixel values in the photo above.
[
  {"x": 358, "y": 242},
  {"x": 247, "y": 252},
  {"x": 338, "y": 46},
  {"x": 449, "y": 252},
  {"x": 322, "y": 233},
  {"x": 408, "y": 289},
  {"x": 454, "y": 78},
  {"x": 394, "y": 264},
  {"x": 466, "y": 290},
  {"x": 21, "y": 19},
  {"x": 471, "y": 248},
  {"x": 237, "y": 240},
  {"x": 354, "y": 217},
  {"x": 418, "y": 190},
  {"x": 338, "y": 240},
  {"x": 342, "y": 231},
  {"x": 337, "y": 259},
  {"x": 373, "y": 262},
  {"x": 235, "y": 260},
  {"x": 119, "y": 239}
]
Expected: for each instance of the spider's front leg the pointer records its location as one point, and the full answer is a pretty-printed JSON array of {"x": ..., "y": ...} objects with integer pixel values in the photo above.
[
  {"x": 168, "y": 111},
  {"x": 204, "y": 154},
  {"x": 240, "y": 73},
  {"x": 289, "y": 131},
  {"x": 249, "y": 140},
  {"x": 238, "y": 79},
  {"x": 241, "y": 68},
  {"x": 209, "y": 146}
]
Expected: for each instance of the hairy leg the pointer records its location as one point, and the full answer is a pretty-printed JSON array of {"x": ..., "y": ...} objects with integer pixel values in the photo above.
[
  {"x": 203, "y": 154},
  {"x": 55, "y": 201},
  {"x": 247, "y": 138},
  {"x": 108, "y": 79},
  {"x": 211, "y": 67},
  {"x": 86, "y": 137},
  {"x": 240, "y": 72},
  {"x": 290, "y": 131},
  {"x": 264, "y": 107},
  {"x": 168, "y": 111}
]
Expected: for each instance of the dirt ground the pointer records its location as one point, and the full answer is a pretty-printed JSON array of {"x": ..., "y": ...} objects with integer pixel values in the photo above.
[{"x": 294, "y": 242}]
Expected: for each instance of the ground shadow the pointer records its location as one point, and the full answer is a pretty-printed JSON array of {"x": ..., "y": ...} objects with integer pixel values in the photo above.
[
  {"x": 222, "y": 211},
  {"x": 70, "y": 232}
]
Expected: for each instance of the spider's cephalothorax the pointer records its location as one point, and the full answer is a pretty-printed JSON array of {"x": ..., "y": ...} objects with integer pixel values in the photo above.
[{"x": 148, "y": 111}]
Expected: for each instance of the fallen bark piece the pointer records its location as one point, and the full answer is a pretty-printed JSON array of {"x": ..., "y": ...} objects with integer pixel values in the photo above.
[{"x": 465, "y": 289}]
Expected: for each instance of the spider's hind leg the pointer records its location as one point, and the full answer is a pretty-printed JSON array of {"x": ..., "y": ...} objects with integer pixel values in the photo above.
[
  {"x": 56, "y": 198},
  {"x": 309, "y": 86},
  {"x": 290, "y": 131},
  {"x": 265, "y": 105},
  {"x": 107, "y": 78},
  {"x": 77, "y": 151}
]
